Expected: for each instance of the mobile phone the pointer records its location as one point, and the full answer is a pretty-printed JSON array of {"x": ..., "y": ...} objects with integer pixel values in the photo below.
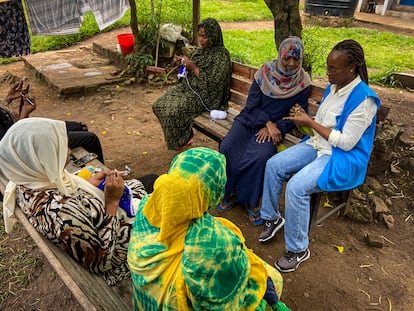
[{"x": 85, "y": 159}]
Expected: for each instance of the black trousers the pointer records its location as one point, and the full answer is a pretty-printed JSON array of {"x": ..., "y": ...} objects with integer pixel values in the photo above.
[{"x": 79, "y": 136}]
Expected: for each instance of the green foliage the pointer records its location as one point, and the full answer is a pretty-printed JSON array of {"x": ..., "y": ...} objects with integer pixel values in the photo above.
[
  {"x": 164, "y": 11},
  {"x": 139, "y": 61},
  {"x": 386, "y": 78}
]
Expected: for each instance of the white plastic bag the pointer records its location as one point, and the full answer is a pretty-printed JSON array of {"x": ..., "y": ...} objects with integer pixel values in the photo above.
[{"x": 172, "y": 33}]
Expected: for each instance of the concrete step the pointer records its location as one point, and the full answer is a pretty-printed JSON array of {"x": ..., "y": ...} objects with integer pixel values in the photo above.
[
  {"x": 405, "y": 15},
  {"x": 403, "y": 8}
]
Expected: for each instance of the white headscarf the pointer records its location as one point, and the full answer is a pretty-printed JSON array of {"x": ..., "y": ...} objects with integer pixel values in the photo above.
[{"x": 33, "y": 153}]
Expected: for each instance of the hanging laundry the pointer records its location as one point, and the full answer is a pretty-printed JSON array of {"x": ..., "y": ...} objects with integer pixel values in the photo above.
[
  {"x": 62, "y": 17},
  {"x": 14, "y": 34},
  {"x": 106, "y": 12}
]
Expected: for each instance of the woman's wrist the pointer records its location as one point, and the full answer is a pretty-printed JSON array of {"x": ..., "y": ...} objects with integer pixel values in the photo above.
[
  {"x": 111, "y": 207},
  {"x": 196, "y": 71}
]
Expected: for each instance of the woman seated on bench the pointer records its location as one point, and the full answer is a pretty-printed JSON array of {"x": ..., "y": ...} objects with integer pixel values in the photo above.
[
  {"x": 206, "y": 86},
  {"x": 183, "y": 258},
  {"x": 78, "y": 133},
  {"x": 70, "y": 211},
  {"x": 259, "y": 128},
  {"x": 335, "y": 158}
]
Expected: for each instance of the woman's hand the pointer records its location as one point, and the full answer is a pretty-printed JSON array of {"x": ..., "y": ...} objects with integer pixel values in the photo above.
[
  {"x": 262, "y": 135},
  {"x": 96, "y": 178},
  {"x": 114, "y": 187},
  {"x": 274, "y": 133},
  {"x": 188, "y": 64},
  {"x": 28, "y": 106},
  {"x": 299, "y": 116},
  {"x": 14, "y": 92}
]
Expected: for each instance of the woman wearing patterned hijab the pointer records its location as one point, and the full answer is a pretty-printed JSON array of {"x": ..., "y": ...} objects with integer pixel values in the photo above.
[
  {"x": 259, "y": 128},
  {"x": 206, "y": 87},
  {"x": 183, "y": 258}
]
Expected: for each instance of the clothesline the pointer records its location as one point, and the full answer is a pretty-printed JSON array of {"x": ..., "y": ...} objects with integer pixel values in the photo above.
[
  {"x": 50, "y": 17},
  {"x": 58, "y": 17}
]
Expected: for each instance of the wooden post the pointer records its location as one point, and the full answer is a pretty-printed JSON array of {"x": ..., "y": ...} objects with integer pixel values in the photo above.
[{"x": 196, "y": 20}]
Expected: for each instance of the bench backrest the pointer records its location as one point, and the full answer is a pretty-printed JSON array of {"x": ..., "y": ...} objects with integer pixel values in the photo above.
[{"x": 242, "y": 77}]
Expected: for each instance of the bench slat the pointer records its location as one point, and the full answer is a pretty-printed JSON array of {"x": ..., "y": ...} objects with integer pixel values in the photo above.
[
  {"x": 238, "y": 98},
  {"x": 214, "y": 129},
  {"x": 240, "y": 85},
  {"x": 89, "y": 289},
  {"x": 243, "y": 70}
]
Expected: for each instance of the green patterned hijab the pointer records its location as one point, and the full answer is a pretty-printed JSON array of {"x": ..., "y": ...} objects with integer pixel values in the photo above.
[
  {"x": 213, "y": 84},
  {"x": 213, "y": 31}
]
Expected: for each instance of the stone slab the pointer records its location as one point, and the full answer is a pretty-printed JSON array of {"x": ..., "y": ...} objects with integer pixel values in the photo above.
[
  {"x": 406, "y": 79},
  {"x": 73, "y": 70}
]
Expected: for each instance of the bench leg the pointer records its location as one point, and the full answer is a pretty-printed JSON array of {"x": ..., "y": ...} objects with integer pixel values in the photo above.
[
  {"x": 336, "y": 209},
  {"x": 315, "y": 200}
]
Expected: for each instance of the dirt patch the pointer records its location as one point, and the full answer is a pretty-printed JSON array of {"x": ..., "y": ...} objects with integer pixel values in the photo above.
[{"x": 360, "y": 278}]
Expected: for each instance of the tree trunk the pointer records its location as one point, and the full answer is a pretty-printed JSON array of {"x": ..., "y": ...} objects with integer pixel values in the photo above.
[
  {"x": 134, "y": 24},
  {"x": 196, "y": 19},
  {"x": 286, "y": 18}
]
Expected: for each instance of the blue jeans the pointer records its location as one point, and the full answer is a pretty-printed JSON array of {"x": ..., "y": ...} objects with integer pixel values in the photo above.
[{"x": 300, "y": 160}]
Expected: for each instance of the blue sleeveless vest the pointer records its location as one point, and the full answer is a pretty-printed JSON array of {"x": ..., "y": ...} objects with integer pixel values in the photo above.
[{"x": 347, "y": 169}]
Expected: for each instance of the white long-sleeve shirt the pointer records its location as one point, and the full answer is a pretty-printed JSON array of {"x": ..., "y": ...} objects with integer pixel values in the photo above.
[{"x": 357, "y": 122}]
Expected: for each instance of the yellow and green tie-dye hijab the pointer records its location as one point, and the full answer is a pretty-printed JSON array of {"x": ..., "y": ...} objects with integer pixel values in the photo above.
[{"x": 181, "y": 257}]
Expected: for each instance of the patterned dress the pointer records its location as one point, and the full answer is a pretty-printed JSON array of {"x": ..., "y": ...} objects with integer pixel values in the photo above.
[
  {"x": 79, "y": 224},
  {"x": 177, "y": 108},
  {"x": 14, "y": 34}
]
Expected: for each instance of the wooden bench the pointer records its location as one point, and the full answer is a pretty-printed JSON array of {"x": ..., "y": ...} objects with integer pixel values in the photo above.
[
  {"x": 242, "y": 77},
  {"x": 90, "y": 290}
]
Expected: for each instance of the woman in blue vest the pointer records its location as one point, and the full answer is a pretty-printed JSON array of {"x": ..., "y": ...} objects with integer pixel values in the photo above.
[{"x": 335, "y": 158}]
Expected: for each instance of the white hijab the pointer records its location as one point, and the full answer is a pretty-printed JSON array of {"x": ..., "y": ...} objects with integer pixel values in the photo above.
[{"x": 33, "y": 153}]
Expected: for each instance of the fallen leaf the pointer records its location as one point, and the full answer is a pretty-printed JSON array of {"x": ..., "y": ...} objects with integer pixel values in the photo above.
[
  {"x": 104, "y": 132},
  {"x": 144, "y": 152},
  {"x": 340, "y": 248},
  {"x": 326, "y": 204},
  {"x": 68, "y": 113}
]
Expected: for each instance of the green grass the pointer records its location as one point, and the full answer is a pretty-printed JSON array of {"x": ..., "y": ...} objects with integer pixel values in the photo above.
[
  {"x": 17, "y": 265},
  {"x": 235, "y": 10},
  {"x": 385, "y": 52}
]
